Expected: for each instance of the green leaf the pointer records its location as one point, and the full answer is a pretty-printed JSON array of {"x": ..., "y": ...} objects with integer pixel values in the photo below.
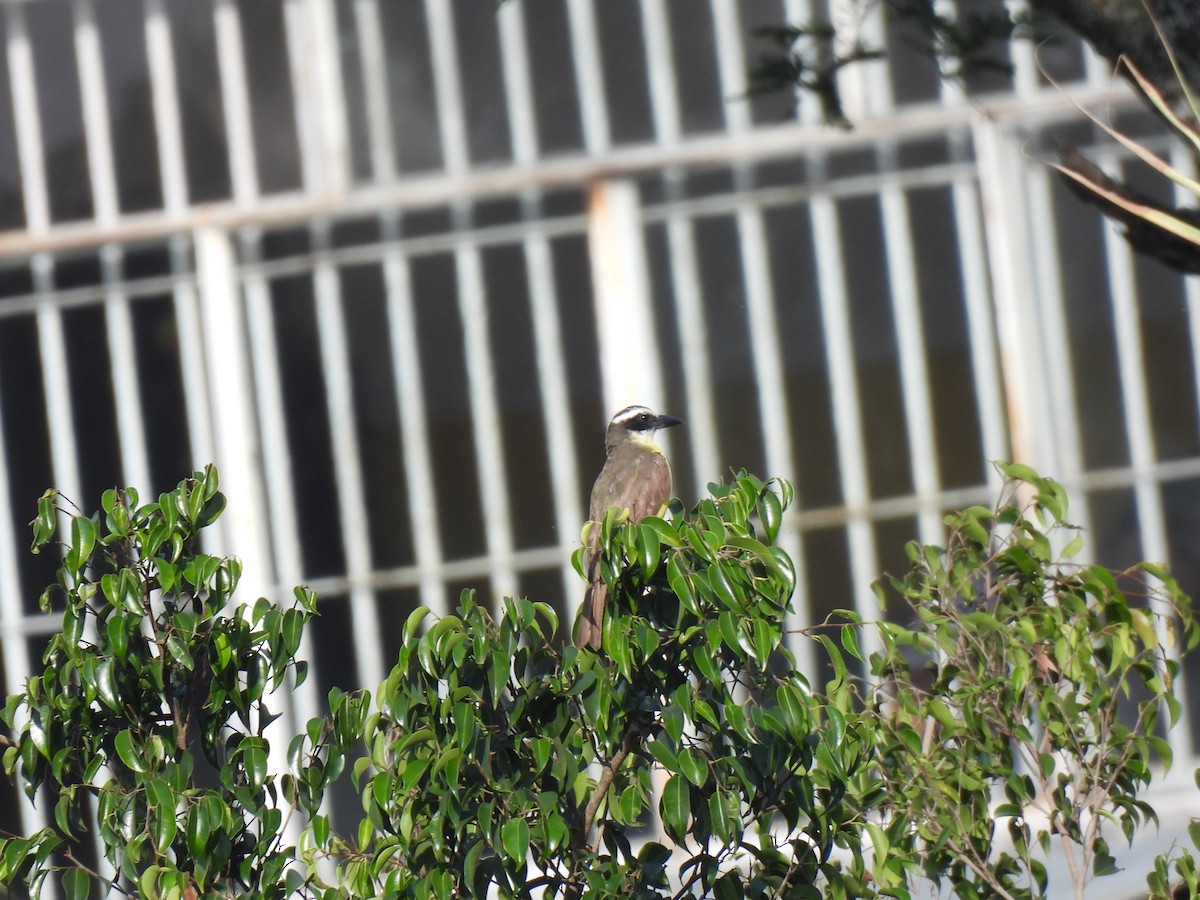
[
  {"x": 498, "y": 676},
  {"x": 179, "y": 652},
  {"x": 649, "y": 549},
  {"x": 148, "y": 882},
  {"x": 666, "y": 756},
  {"x": 128, "y": 752},
  {"x": 46, "y": 521},
  {"x": 117, "y": 631},
  {"x": 76, "y": 884},
  {"x": 729, "y": 886},
  {"x": 723, "y": 588},
  {"x": 730, "y": 633},
  {"x": 413, "y": 623},
  {"x": 254, "y": 761},
  {"x": 514, "y": 837},
  {"x": 83, "y": 541},
  {"x": 198, "y": 829},
  {"x": 470, "y": 862},
  {"x": 163, "y": 807},
  {"x": 836, "y": 728},
  {"x": 666, "y": 531},
  {"x": 681, "y": 585},
  {"x": 693, "y": 766},
  {"x": 770, "y": 512},
  {"x": 707, "y": 665},
  {"x": 676, "y": 808}
]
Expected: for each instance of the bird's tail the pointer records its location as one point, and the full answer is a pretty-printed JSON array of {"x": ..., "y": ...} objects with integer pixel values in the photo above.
[{"x": 591, "y": 617}]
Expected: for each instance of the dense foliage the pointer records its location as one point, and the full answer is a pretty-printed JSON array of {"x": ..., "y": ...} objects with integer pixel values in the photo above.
[{"x": 1008, "y": 699}]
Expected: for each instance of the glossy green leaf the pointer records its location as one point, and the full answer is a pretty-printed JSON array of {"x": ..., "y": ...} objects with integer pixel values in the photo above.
[
  {"x": 129, "y": 752},
  {"x": 649, "y": 549},
  {"x": 693, "y": 766},
  {"x": 83, "y": 541},
  {"x": 675, "y": 807},
  {"x": 514, "y": 836},
  {"x": 76, "y": 884},
  {"x": 770, "y": 512}
]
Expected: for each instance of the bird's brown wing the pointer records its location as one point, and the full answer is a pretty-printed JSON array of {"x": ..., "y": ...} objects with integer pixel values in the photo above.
[
  {"x": 655, "y": 475},
  {"x": 640, "y": 482}
]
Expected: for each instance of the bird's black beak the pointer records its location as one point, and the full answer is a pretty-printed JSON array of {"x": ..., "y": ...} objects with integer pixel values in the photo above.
[{"x": 667, "y": 422}]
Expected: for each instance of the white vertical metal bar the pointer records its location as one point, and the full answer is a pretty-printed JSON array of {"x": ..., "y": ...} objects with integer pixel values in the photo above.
[
  {"x": 347, "y": 465},
  {"x": 1023, "y": 54},
  {"x": 372, "y": 57},
  {"x": 1182, "y": 160},
  {"x": 191, "y": 355},
  {"x": 303, "y": 60},
  {"x": 765, "y": 349},
  {"x": 693, "y": 339},
  {"x": 547, "y": 332},
  {"x": 96, "y": 120},
  {"x": 910, "y": 347},
  {"x": 18, "y": 665},
  {"x": 660, "y": 67},
  {"x": 904, "y": 294},
  {"x": 767, "y": 354},
  {"x": 1015, "y": 292},
  {"x": 1034, "y": 350},
  {"x": 235, "y": 428},
  {"x": 807, "y": 107},
  {"x": 235, "y": 97},
  {"x": 447, "y": 85},
  {"x": 485, "y": 418},
  {"x": 192, "y": 369},
  {"x": 847, "y": 422},
  {"x": 625, "y": 328},
  {"x": 414, "y": 426},
  {"x": 122, "y": 351},
  {"x": 985, "y": 367},
  {"x": 164, "y": 94},
  {"x": 271, "y": 424},
  {"x": 1097, "y": 71},
  {"x": 731, "y": 65},
  {"x": 864, "y": 87},
  {"x": 237, "y": 437},
  {"x": 681, "y": 252},
  {"x": 320, "y": 101},
  {"x": 60, "y": 421},
  {"x": 1139, "y": 429},
  {"x": 518, "y": 84},
  {"x": 277, "y": 474},
  {"x": 485, "y": 414},
  {"x": 402, "y": 326},
  {"x": 556, "y": 404},
  {"x": 27, "y": 119},
  {"x": 1051, "y": 320},
  {"x": 589, "y": 75}
]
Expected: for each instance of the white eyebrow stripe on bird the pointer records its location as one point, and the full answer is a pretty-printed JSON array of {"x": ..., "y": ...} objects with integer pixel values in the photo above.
[{"x": 628, "y": 414}]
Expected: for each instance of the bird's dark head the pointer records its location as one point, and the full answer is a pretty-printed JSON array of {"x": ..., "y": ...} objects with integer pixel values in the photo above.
[{"x": 638, "y": 424}]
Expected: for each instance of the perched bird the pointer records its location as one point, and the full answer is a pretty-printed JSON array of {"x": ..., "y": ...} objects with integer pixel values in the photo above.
[{"x": 635, "y": 477}]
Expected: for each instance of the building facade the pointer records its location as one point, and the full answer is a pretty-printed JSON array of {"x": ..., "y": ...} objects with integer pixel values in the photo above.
[{"x": 393, "y": 263}]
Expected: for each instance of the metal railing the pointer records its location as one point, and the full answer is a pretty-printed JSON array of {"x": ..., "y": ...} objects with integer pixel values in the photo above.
[{"x": 404, "y": 372}]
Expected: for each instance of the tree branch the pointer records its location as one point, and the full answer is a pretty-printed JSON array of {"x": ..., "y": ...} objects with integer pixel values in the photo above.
[{"x": 607, "y": 774}]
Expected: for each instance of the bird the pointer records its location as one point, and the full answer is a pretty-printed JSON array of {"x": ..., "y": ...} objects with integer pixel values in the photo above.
[{"x": 635, "y": 477}]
